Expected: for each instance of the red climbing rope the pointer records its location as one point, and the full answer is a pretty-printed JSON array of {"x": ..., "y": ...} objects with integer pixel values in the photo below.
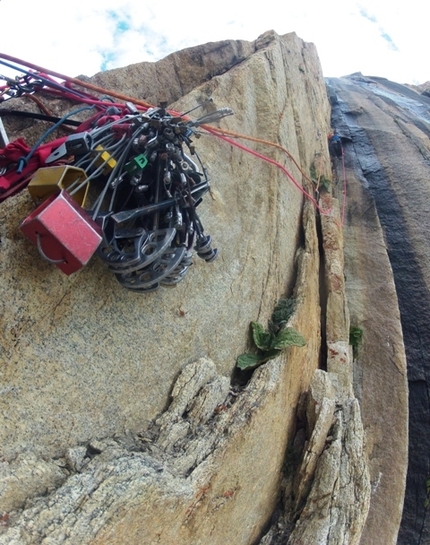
[
  {"x": 342, "y": 221},
  {"x": 44, "y": 72},
  {"x": 66, "y": 90},
  {"x": 273, "y": 162}
]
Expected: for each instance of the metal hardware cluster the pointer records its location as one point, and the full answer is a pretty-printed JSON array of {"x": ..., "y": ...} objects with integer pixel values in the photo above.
[
  {"x": 18, "y": 86},
  {"x": 144, "y": 192}
]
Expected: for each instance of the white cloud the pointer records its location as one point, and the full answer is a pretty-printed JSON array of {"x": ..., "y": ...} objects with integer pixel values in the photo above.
[{"x": 86, "y": 36}]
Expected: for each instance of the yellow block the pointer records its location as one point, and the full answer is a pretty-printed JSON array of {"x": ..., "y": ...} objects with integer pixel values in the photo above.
[
  {"x": 48, "y": 181},
  {"x": 106, "y": 159}
]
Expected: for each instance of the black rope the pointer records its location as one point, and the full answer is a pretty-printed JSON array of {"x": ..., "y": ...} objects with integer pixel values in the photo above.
[{"x": 41, "y": 117}]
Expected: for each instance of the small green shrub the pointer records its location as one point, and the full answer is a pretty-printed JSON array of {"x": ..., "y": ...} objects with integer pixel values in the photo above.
[
  {"x": 281, "y": 314},
  {"x": 313, "y": 172},
  {"x": 325, "y": 183},
  {"x": 355, "y": 339},
  {"x": 427, "y": 500},
  {"x": 321, "y": 181},
  {"x": 270, "y": 342}
]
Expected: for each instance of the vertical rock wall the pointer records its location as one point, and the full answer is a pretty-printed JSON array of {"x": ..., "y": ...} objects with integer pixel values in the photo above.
[
  {"x": 381, "y": 168},
  {"x": 89, "y": 367},
  {"x": 119, "y": 411},
  {"x": 110, "y": 355}
]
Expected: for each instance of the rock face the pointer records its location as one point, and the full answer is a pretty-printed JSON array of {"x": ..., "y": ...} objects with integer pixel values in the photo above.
[
  {"x": 118, "y": 365},
  {"x": 386, "y": 127},
  {"x": 122, "y": 414}
]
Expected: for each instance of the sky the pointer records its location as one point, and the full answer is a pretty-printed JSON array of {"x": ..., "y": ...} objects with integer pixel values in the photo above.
[{"x": 375, "y": 37}]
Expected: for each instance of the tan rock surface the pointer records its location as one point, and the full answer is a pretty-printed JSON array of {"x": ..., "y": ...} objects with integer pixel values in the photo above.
[
  {"x": 382, "y": 394},
  {"x": 86, "y": 360},
  {"x": 204, "y": 471},
  {"x": 338, "y": 502},
  {"x": 327, "y": 499},
  {"x": 177, "y": 74},
  {"x": 89, "y": 368}
]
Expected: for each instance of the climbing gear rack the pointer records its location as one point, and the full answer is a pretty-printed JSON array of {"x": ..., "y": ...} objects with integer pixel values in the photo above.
[
  {"x": 142, "y": 190},
  {"x": 124, "y": 186}
]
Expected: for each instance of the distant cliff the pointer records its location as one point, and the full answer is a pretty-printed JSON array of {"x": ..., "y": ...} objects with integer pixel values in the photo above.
[{"x": 124, "y": 417}]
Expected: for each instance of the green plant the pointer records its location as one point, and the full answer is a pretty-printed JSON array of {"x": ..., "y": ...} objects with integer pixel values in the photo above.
[
  {"x": 320, "y": 180},
  {"x": 325, "y": 183},
  {"x": 355, "y": 338},
  {"x": 281, "y": 314},
  {"x": 270, "y": 342},
  {"x": 427, "y": 500},
  {"x": 313, "y": 172}
]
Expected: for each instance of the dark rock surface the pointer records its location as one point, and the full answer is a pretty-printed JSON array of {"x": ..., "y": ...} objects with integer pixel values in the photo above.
[{"x": 386, "y": 126}]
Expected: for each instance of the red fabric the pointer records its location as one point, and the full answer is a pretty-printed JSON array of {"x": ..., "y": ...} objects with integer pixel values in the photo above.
[
  {"x": 17, "y": 150},
  {"x": 13, "y": 152},
  {"x": 88, "y": 124},
  {"x": 122, "y": 128},
  {"x": 15, "y": 189},
  {"x": 13, "y": 177},
  {"x": 107, "y": 119}
]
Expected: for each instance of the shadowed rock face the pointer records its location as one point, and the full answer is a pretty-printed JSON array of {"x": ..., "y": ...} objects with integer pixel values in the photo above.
[{"x": 386, "y": 128}]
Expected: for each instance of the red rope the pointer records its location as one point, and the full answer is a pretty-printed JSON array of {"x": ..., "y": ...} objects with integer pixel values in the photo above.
[
  {"x": 273, "y": 162},
  {"x": 344, "y": 190},
  {"x": 69, "y": 80},
  {"x": 95, "y": 101}
]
